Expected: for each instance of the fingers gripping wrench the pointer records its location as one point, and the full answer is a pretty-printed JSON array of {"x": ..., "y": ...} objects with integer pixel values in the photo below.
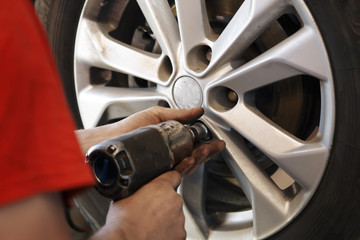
[{"x": 124, "y": 164}]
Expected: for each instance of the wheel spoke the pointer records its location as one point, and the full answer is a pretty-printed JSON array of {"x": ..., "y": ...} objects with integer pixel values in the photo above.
[
  {"x": 193, "y": 21},
  {"x": 96, "y": 48},
  {"x": 267, "y": 200},
  {"x": 302, "y": 52},
  {"x": 299, "y": 54},
  {"x": 163, "y": 24},
  {"x": 94, "y": 101},
  {"x": 300, "y": 159},
  {"x": 253, "y": 17},
  {"x": 193, "y": 193},
  {"x": 267, "y": 211}
]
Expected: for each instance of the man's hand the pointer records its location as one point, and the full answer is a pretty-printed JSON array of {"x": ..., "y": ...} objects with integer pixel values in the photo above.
[
  {"x": 154, "y": 115},
  {"x": 153, "y": 212},
  {"x": 157, "y": 115},
  {"x": 89, "y": 137},
  {"x": 200, "y": 154}
]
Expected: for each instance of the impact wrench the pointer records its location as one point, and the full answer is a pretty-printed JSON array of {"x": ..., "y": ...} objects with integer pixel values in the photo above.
[{"x": 124, "y": 164}]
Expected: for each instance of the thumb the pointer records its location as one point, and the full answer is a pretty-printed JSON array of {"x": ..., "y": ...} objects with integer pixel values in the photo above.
[{"x": 171, "y": 177}]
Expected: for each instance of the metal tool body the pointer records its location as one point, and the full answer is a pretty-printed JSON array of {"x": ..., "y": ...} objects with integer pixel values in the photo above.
[{"x": 124, "y": 164}]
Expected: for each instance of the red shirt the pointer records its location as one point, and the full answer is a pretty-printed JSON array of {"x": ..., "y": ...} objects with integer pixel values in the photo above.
[{"x": 38, "y": 148}]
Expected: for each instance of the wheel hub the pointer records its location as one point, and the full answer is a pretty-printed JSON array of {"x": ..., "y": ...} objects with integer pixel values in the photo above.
[{"x": 187, "y": 93}]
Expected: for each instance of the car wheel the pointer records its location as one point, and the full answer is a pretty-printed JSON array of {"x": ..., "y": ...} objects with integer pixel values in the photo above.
[{"x": 279, "y": 82}]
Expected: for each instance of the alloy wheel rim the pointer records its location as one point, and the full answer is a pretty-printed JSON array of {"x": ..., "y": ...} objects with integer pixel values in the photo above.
[{"x": 188, "y": 46}]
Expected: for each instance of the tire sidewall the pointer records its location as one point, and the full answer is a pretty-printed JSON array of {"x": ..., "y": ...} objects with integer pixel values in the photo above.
[
  {"x": 334, "y": 211},
  {"x": 60, "y": 19}
]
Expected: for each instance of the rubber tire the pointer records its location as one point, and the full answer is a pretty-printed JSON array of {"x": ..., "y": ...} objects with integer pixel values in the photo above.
[
  {"x": 60, "y": 19},
  {"x": 334, "y": 211}
]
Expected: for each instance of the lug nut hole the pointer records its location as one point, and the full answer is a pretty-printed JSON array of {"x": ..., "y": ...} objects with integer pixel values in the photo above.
[
  {"x": 199, "y": 58},
  {"x": 166, "y": 69},
  {"x": 223, "y": 98}
]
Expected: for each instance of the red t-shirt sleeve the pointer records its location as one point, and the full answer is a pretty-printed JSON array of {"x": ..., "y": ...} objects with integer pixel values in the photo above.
[{"x": 38, "y": 150}]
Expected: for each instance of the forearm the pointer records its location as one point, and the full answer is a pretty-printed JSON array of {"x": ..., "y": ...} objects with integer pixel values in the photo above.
[
  {"x": 37, "y": 217},
  {"x": 89, "y": 137}
]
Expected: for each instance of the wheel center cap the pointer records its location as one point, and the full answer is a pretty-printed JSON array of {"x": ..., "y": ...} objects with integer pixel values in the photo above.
[{"x": 187, "y": 93}]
